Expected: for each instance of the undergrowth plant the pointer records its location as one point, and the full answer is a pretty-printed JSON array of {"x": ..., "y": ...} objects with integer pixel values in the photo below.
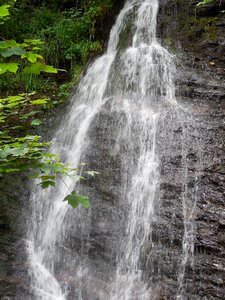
[
  {"x": 71, "y": 32},
  {"x": 19, "y": 150}
]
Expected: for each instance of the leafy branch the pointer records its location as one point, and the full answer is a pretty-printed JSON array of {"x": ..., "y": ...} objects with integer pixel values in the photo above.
[{"x": 19, "y": 150}]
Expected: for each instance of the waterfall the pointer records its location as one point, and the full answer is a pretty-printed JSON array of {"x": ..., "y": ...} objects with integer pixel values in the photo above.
[{"x": 132, "y": 81}]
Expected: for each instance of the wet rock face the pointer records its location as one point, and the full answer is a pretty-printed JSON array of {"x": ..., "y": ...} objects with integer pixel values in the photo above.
[
  {"x": 198, "y": 40},
  {"x": 13, "y": 209},
  {"x": 105, "y": 25}
]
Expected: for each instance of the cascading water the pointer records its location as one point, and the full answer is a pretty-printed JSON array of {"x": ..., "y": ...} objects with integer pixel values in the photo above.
[{"x": 135, "y": 80}]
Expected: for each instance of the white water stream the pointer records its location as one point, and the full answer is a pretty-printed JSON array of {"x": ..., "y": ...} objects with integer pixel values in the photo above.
[{"x": 138, "y": 80}]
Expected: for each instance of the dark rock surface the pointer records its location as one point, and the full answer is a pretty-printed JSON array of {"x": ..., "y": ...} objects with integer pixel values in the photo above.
[
  {"x": 197, "y": 37},
  {"x": 13, "y": 209}
]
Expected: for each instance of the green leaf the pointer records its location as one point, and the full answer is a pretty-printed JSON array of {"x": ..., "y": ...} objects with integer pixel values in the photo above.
[
  {"x": 34, "y": 42},
  {"x": 11, "y": 67},
  {"x": 16, "y": 127},
  {"x": 36, "y": 48},
  {"x": 31, "y": 56},
  {"x": 26, "y": 116},
  {"x": 19, "y": 151},
  {"x": 36, "y": 122},
  {"x": 4, "y": 135},
  {"x": 34, "y": 68},
  {"x": 4, "y": 10},
  {"x": 37, "y": 67},
  {"x": 44, "y": 178},
  {"x": 50, "y": 155},
  {"x": 49, "y": 69},
  {"x": 46, "y": 169},
  {"x": 14, "y": 98},
  {"x": 16, "y": 152},
  {"x": 4, "y": 153},
  {"x": 74, "y": 200},
  {"x": 39, "y": 101},
  {"x": 8, "y": 44},
  {"x": 2, "y": 119},
  {"x": 30, "y": 138},
  {"x": 13, "y": 101},
  {"x": 10, "y": 170},
  {"x": 84, "y": 201},
  {"x": 47, "y": 183},
  {"x": 12, "y": 51}
]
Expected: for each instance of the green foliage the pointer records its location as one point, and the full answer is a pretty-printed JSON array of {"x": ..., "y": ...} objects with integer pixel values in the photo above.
[
  {"x": 27, "y": 51},
  {"x": 74, "y": 200},
  {"x": 70, "y": 37},
  {"x": 19, "y": 150},
  {"x": 10, "y": 67},
  {"x": 68, "y": 28},
  {"x": 27, "y": 152},
  {"x": 71, "y": 32},
  {"x": 36, "y": 122},
  {"x": 4, "y": 10}
]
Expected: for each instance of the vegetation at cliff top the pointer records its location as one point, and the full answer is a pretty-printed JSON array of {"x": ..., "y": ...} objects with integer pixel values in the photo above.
[{"x": 50, "y": 33}]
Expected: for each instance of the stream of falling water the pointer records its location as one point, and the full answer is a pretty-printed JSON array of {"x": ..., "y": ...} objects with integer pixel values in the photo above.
[{"x": 139, "y": 81}]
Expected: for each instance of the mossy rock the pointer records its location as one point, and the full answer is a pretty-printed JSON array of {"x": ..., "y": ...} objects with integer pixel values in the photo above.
[{"x": 200, "y": 28}]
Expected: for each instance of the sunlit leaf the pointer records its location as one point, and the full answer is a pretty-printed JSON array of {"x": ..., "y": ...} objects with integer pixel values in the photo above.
[
  {"x": 31, "y": 56},
  {"x": 8, "y": 44},
  {"x": 36, "y": 48},
  {"x": 4, "y": 10},
  {"x": 11, "y": 67},
  {"x": 36, "y": 67},
  {"x": 34, "y": 42},
  {"x": 39, "y": 101},
  {"x": 14, "y": 98},
  {"x": 36, "y": 122},
  {"x": 49, "y": 69}
]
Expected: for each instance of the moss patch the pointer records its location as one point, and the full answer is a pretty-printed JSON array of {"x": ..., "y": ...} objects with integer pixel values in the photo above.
[{"x": 200, "y": 28}]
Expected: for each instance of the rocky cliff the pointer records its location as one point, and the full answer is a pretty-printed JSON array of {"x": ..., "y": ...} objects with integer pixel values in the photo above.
[
  {"x": 197, "y": 38},
  {"x": 13, "y": 211}
]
